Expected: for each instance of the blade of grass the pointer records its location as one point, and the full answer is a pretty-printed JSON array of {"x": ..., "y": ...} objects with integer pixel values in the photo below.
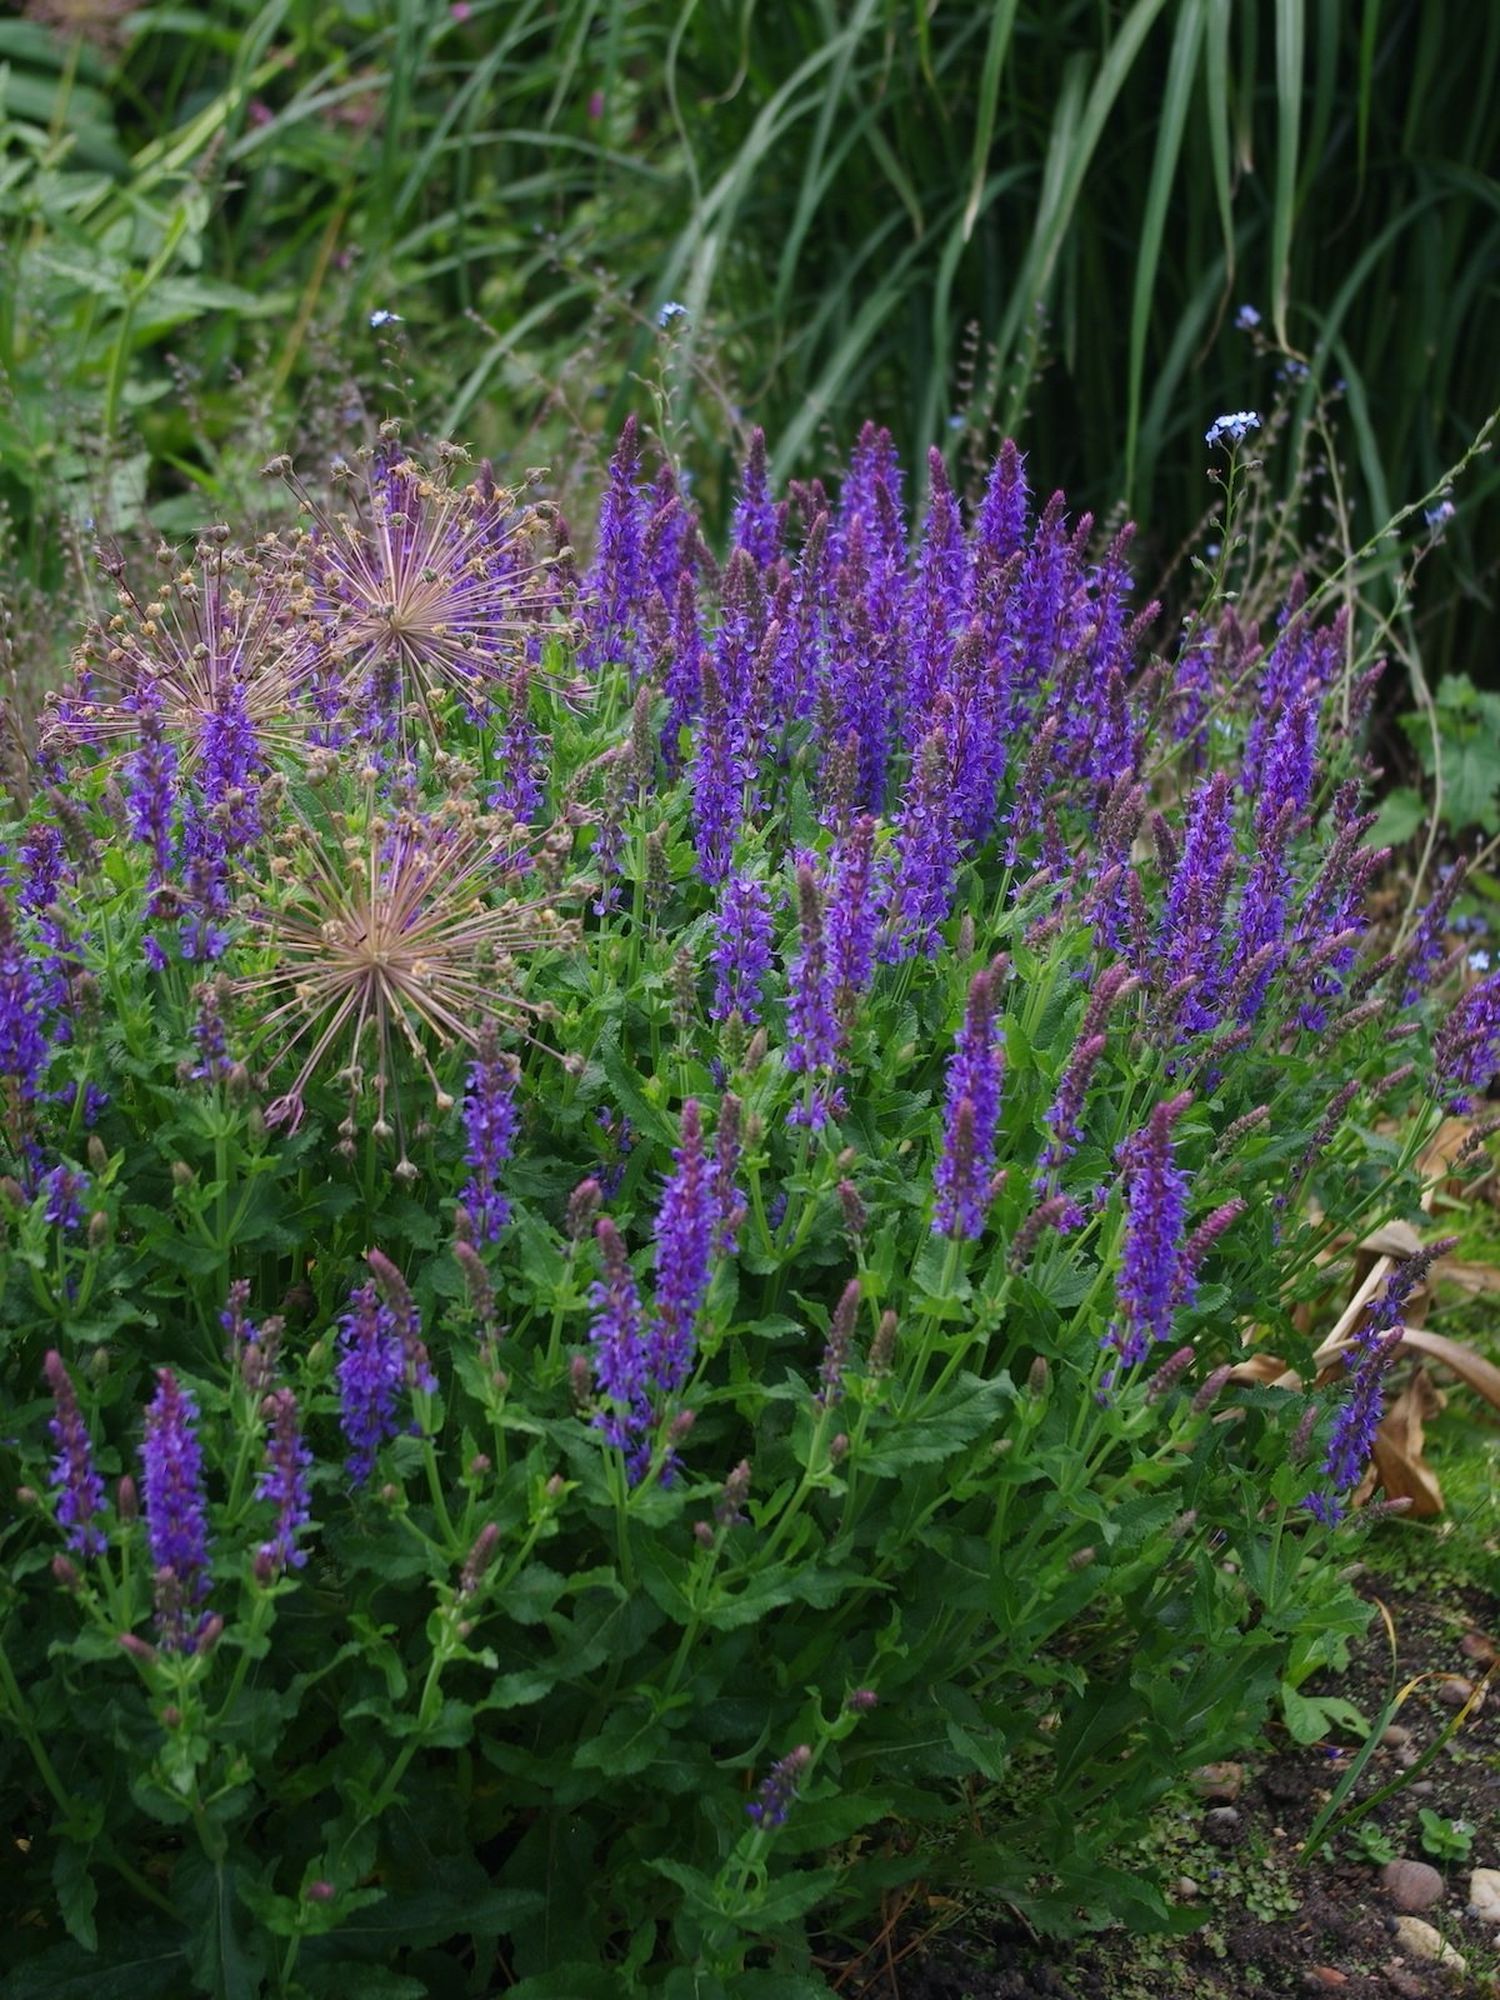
[
  {"x": 1002, "y": 21},
  {"x": 1182, "y": 70},
  {"x": 1291, "y": 36}
]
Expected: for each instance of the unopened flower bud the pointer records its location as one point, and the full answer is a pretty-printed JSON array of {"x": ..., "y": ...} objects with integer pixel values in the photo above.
[
  {"x": 556, "y": 1487},
  {"x": 703, "y": 1534},
  {"x": 98, "y": 1229},
  {"x": 479, "y": 1558},
  {"x": 182, "y": 1174},
  {"x": 26, "y": 1496},
  {"x": 853, "y": 1208},
  {"x": 211, "y": 1634},
  {"x": 1169, "y": 1374},
  {"x": 883, "y": 1346},
  {"x": 66, "y": 1573},
  {"x": 263, "y": 1568},
  {"x": 838, "y": 1448},
  {"x": 862, "y": 1700},
  {"x": 1081, "y": 1558},
  {"x": 481, "y": 1465},
  {"x": 583, "y": 1206},
  {"x": 99, "y": 1364},
  {"x": 320, "y": 1892},
  {"x": 755, "y": 1055},
  {"x": 1039, "y": 1376},
  {"x": 137, "y": 1648},
  {"x": 1212, "y": 1384},
  {"x": 98, "y": 1155},
  {"x": 11, "y": 1189},
  {"x": 680, "y": 1425},
  {"x": 171, "y": 1716},
  {"x": 390, "y": 1493}
]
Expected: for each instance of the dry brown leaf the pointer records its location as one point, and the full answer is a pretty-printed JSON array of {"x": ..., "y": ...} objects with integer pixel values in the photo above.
[
  {"x": 1481, "y": 1375},
  {"x": 1397, "y": 1464},
  {"x": 1471, "y": 1277},
  {"x": 1392, "y": 1239},
  {"x": 1264, "y": 1370},
  {"x": 1445, "y": 1145}
]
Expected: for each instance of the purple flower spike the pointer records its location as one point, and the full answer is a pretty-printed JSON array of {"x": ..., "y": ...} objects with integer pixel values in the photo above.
[
  {"x": 176, "y": 1513},
  {"x": 812, "y": 1040},
  {"x": 23, "y": 1047},
  {"x": 757, "y": 525},
  {"x": 975, "y": 1070},
  {"x": 79, "y": 1488},
  {"x": 619, "y": 1345},
  {"x": 370, "y": 1373},
  {"x": 284, "y": 1481},
  {"x": 778, "y": 1788},
  {"x": 1155, "y": 1207},
  {"x": 613, "y": 588},
  {"x": 741, "y": 956},
  {"x": 1466, "y": 1048},
  {"x": 684, "y": 1245},
  {"x": 490, "y": 1121}
]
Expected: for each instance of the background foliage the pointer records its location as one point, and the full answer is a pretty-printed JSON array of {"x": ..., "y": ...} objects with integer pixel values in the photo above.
[{"x": 1038, "y": 218}]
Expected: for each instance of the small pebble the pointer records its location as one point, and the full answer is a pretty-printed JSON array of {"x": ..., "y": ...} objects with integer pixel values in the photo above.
[
  {"x": 1412, "y": 1885},
  {"x": 1222, "y": 1825},
  {"x": 1408, "y": 1755},
  {"x": 1187, "y": 1889},
  {"x": 1484, "y": 1895},
  {"x": 1454, "y": 1692},
  {"x": 1219, "y": 1781},
  {"x": 1395, "y": 1738},
  {"x": 1424, "y": 1788},
  {"x": 1324, "y": 1979},
  {"x": 1403, "y": 1982},
  {"x": 1420, "y": 1940}
]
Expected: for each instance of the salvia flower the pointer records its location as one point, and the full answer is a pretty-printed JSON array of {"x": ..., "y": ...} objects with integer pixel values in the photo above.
[
  {"x": 176, "y": 1513},
  {"x": 23, "y": 1047},
  {"x": 975, "y": 1069},
  {"x": 741, "y": 956},
  {"x": 1466, "y": 1048},
  {"x": 371, "y": 1370},
  {"x": 490, "y": 1122},
  {"x": 76, "y": 1482},
  {"x": 1377, "y": 1340},
  {"x": 405, "y": 1320},
  {"x": 778, "y": 1789},
  {"x": 1155, "y": 1209},
  {"x": 617, "y": 1334},
  {"x": 64, "y": 1190},
  {"x": 284, "y": 1481},
  {"x": 812, "y": 1030},
  {"x": 685, "y": 1226}
]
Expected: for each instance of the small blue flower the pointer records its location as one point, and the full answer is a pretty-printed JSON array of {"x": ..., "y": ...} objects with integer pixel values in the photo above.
[
  {"x": 1479, "y": 961},
  {"x": 1247, "y": 318},
  {"x": 384, "y": 318},
  {"x": 1440, "y": 515},
  {"x": 1232, "y": 429},
  {"x": 673, "y": 309}
]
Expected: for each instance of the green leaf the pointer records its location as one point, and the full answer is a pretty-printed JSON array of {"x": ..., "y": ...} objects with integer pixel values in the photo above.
[
  {"x": 76, "y": 1893},
  {"x": 1311, "y": 1717}
]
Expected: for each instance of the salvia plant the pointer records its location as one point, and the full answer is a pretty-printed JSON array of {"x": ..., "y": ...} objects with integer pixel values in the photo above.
[{"x": 632, "y": 1197}]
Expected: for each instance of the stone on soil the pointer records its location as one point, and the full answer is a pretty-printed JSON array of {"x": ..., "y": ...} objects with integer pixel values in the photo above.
[
  {"x": 1412, "y": 1885},
  {"x": 1419, "y": 1940},
  {"x": 1484, "y": 1894}
]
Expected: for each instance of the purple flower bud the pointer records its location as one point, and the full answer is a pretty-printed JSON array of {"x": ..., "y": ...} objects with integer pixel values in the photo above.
[
  {"x": 836, "y": 1352},
  {"x": 975, "y": 1070},
  {"x": 1155, "y": 1208}
]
